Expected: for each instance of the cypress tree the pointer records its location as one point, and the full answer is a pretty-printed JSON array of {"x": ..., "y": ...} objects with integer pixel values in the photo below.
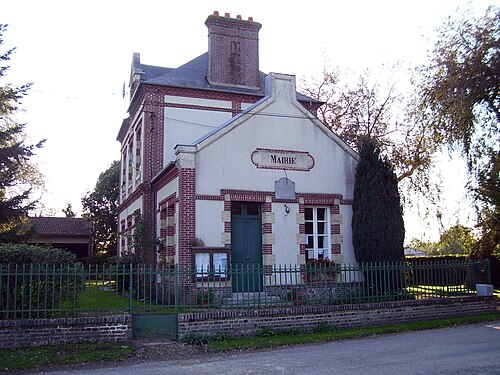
[{"x": 377, "y": 222}]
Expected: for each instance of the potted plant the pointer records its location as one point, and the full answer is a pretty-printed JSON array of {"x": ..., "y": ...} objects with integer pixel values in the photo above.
[{"x": 320, "y": 270}]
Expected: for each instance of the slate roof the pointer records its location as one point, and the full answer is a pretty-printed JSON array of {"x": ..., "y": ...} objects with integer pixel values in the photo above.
[
  {"x": 193, "y": 75},
  {"x": 62, "y": 226}
]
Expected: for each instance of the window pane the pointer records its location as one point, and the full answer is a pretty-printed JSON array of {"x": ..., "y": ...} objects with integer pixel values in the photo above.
[
  {"x": 309, "y": 213},
  {"x": 321, "y": 228},
  {"x": 310, "y": 242},
  {"x": 235, "y": 208},
  {"x": 321, "y": 214},
  {"x": 252, "y": 209},
  {"x": 309, "y": 228},
  {"x": 321, "y": 242},
  {"x": 220, "y": 263},
  {"x": 202, "y": 263}
]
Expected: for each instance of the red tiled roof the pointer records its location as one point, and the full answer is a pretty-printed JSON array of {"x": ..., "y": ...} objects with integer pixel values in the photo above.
[{"x": 62, "y": 226}]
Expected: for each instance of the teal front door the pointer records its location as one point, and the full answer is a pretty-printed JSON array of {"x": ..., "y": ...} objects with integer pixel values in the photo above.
[{"x": 246, "y": 247}]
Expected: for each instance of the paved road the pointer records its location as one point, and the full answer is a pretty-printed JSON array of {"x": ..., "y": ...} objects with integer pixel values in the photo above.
[{"x": 460, "y": 350}]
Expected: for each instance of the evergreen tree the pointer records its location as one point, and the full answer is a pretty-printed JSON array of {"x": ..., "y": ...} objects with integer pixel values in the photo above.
[
  {"x": 377, "y": 222},
  {"x": 101, "y": 207},
  {"x": 17, "y": 176}
]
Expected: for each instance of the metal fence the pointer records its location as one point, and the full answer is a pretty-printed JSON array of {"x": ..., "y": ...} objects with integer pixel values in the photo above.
[{"x": 38, "y": 291}]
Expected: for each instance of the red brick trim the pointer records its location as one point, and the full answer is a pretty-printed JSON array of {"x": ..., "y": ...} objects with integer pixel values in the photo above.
[
  {"x": 205, "y": 197},
  {"x": 247, "y": 196},
  {"x": 197, "y": 107},
  {"x": 187, "y": 215}
]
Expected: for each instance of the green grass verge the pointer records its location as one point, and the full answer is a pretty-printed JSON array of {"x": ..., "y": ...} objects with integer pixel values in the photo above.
[
  {"x": 103, "y": 297},
  {"x": 271, "y": 339},
  {"x": 54, "y": 355}
]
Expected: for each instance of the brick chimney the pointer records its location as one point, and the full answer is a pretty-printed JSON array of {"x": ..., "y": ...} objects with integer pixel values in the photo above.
[{"x": 233, "y": 51}]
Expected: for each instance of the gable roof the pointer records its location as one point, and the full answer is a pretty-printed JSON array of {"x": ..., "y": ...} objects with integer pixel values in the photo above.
[
  {"x": 193, "y": 74},
  {"x": 61, "y": 226},
  {"x": 259, "y": 106}
]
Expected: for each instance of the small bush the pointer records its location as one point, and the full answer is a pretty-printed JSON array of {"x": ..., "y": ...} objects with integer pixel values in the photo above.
[
  {"x": 194, "y": 339},
  {"x": 38, "y": 279},
  {"x": 26, "y": 254},
  {"x": 322, "y": 327},
  {"x": 267, "y": 332},
  {"x": 222, "y": 337}
]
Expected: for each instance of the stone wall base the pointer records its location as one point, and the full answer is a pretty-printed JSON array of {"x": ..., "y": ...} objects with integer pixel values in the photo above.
[
  {"x": 239, "y": 323},
  {"x": 38, "y": 332}
]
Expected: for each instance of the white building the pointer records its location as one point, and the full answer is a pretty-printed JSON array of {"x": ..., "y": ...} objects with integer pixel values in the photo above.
[{"x": 229, "y": 166}]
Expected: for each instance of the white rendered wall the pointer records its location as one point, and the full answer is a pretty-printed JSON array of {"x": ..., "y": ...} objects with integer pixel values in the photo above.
[
  {"x": 227, "y": 162},
  {"x": 224, "y": 162},
  {"x": 209, "y": 225},
  {"x": 167, "y": 190},
  {"x": 136, "y": 205},
  {"x": 286, "y": 249},
  {"x": 346, "y": 230},
  {"x": 186, "y": 125}
]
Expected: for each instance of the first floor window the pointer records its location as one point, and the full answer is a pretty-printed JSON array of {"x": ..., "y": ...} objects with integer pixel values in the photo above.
[{"x": 317, "y": 232}]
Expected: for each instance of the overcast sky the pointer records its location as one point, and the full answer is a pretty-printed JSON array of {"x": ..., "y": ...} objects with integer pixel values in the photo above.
[{"x": 78, "y": 55}]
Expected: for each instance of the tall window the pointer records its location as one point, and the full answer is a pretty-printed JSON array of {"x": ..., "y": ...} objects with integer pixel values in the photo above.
[
  {"x": 130, "y": 157},
  {"x": 317, "y": 220},
  {"x": 138, "y": 158},
  {"x": 124, "y": 172}
]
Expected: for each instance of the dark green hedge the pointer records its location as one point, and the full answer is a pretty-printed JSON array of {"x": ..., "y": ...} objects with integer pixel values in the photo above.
[{"x": 38, "y": 281}]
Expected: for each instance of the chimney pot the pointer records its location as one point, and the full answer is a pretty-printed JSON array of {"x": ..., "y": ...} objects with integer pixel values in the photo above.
[
  {"x": 233, "y": 51},
  {"x": 250, "y": 19},
  {"x": 216, "y": 13}
]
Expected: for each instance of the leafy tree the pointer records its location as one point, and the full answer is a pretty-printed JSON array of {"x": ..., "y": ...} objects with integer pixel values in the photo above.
[
  {"x": 457, "y": 240},
  {"x": 377, "y": 222},
  {"x": 17, "y": 175},
  {"x": 68, "y": 211},
  {"x": 370, "y": 110},
  {"x": 101, "y": 206},
  {"x": 460, "y": 92},
  {"x": 488, "y": 193}
]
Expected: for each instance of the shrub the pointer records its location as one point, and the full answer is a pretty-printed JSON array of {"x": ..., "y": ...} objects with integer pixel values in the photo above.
[
  {"x": 25, "y": 254},
  {"x": 195, "y": 339},
  {"x": 38, "y": 281}
]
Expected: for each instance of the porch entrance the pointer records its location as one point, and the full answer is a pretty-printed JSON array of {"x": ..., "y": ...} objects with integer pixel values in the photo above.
[{"x": 246, "y": 247}]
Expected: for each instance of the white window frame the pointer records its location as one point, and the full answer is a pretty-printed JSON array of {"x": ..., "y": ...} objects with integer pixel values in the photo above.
[{"x": 316, "y": 251}]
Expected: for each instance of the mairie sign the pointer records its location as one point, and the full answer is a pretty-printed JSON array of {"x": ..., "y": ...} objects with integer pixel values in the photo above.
[{"x": 282, "y": 159}]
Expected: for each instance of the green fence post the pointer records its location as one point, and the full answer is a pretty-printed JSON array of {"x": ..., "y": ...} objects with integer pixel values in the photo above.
[
  {"x": 487, "y": 269},
  {"x": 130, "y": 288},
  {"x": 176, "y": 288}
]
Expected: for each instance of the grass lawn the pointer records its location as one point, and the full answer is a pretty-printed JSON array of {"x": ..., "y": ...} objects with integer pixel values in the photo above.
[
  {"x": 54, "y": 355},
  {"x": 98, "y": 296}
]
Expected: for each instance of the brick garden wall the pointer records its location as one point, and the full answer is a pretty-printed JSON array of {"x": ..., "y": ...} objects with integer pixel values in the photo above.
[
  {"x": 249, "y": 322},
  {"x": 38, "y": 332}
]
